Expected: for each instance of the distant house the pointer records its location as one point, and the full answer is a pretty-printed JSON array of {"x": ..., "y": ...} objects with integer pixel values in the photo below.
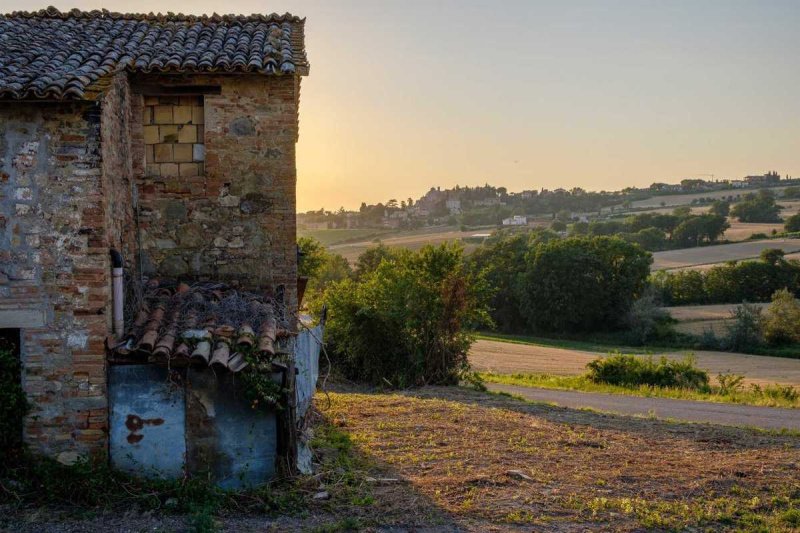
[
  {"x": 770, "y": 178},
  {"x": 516, "y": 220}
]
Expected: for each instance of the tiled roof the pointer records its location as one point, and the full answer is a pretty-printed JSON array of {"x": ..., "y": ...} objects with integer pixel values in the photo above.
[
  {"x": 49, "y": 54},
  {"x": 204, "y": 324}
]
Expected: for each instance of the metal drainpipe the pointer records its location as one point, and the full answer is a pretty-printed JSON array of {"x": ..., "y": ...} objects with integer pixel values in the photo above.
[{"x": 117, "y": 293}]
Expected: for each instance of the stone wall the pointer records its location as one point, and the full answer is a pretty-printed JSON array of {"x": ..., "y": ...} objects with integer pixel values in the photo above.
[
  {"x": 54, "y": 268},
  {"x": 234, "y": 222}
]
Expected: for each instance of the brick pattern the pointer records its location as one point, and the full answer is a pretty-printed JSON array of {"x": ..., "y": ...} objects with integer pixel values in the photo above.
[
  {"x": 236, "y": 222},
  {"x": 66, "y": 176},
  {"x": 173, "y": 136},
  {"x": 54, "y": 258}
]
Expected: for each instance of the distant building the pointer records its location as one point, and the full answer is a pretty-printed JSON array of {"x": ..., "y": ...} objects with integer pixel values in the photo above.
[
  {"x": 516, "y": 220},
  {"x": 770, "y": 178},
  {"x": 453, "y": 205}
]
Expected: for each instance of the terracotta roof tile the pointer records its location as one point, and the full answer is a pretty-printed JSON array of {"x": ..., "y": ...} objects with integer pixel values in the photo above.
[
  {"x": 205, "y": 324},
  {"x": 49, "y": 54}
]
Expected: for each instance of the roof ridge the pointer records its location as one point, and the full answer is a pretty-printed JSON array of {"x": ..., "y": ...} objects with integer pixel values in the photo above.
[{"x": 54, "y": 13}]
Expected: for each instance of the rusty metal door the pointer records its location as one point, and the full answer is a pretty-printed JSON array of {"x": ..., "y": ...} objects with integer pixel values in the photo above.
[{"x": 147, "y": 421}]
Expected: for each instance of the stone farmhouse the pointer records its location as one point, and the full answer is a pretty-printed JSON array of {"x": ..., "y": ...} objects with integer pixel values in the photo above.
[{"x": 147, "y": 189}]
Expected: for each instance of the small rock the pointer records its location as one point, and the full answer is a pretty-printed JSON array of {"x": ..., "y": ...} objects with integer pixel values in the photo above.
[
  {"x": 322, "y": 495},
  {"x": 382, "y": 480},
  {"x": 171, "y": 503},
  {"x": 519, "y": 474},
  {"x": 68, "y": 458}
]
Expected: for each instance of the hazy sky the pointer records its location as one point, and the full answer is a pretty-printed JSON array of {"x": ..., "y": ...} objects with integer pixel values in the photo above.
[{"x": 404, "y": 95}]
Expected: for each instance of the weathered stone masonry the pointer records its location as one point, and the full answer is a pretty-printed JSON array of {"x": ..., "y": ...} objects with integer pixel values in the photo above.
[
  {"x": 170, "y": 139},
  {"x": 235, "y": 222},
  {"x": 53, "y": 256}
]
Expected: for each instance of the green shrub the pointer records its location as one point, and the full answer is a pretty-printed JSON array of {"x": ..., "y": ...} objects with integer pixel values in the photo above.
[
  {"x": 628, "y": 370},
  {"x": 646, "y": 319},
  {"x": 781, "y": 320},
  {"x": 792, "y": 223},
  {"x": 746, "y": 330},
  {"x": 405, "y": 323}
]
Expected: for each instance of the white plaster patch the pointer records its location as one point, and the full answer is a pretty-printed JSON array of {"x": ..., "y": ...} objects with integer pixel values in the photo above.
[
  {"x": 23, "y": 193},
  {"x": 77, "y": 340}
]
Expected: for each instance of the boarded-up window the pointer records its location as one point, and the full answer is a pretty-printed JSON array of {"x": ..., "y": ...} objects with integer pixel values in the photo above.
[{"x": 173, "y": 136}]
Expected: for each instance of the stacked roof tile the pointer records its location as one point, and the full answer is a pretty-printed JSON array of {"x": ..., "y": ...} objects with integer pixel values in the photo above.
[
  {"x": 49, "y": 54},
  {"x": 204, "y": 324}
]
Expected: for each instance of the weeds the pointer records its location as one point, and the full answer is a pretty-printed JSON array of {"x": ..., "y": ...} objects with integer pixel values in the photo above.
[{"x": 627, "y": 370}]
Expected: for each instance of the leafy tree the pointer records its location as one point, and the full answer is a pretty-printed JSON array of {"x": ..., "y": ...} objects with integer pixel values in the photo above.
[
  {"x": 696, "y": 230},
  {"x": 558, "y": 225},
  {"x": 793, "y": 223},
  {"x": 406, "y": 323},
  {"x": 720, "y": 207},
  {"x": 579, "y": 228},
  {"x": 745, "y": 332},
  {"x": 370, "y": 258},
  {"x": 312, "y": 256},
  {"x": 651, "y": 239},
  {"x": 759, "y": 207},
  {"x": 782, "y": 319},
  {"x": 501, "y": 262},
  {"x": 582, "y": 284},
  {"x": 772, "y": 256}
]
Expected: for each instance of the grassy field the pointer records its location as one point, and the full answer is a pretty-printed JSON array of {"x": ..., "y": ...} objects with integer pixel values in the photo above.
[
  {"x": 329, "y": 237},
  {"x": 685, "y": 199},
  {"x": 411, "y": 239},
  {"x": 770, "y": 395},
  {"x": 600, "y": 344},
  {"x": 515, "y": 358},
  {"x": 707, "y": 255}
]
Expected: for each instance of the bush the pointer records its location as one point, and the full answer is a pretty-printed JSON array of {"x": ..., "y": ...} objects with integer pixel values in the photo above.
[
  {"x": 792, "y": 223},
  {"x": 405, "y": 323},
  {"x": 631, "y": 371},
  {"x": 646, "y": 319},
  {"x": 745, "y": 333},
  {"x": 781, "y": 320}
]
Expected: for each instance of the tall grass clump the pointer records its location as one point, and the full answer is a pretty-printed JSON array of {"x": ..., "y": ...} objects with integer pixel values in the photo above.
[{"x": 631, "y": 371}]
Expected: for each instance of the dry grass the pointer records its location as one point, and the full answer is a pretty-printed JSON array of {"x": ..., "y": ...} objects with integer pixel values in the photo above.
[
  {"x": 706, "y": 255},
  {"x": 495, "y": 464},
  {"x": 509, "y": 358},
  {"x": 413, "y": 240}
]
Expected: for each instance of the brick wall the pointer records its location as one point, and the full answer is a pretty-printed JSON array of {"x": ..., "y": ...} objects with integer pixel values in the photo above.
[
  {"x": 235, "y": 221},
  {"x": 54, "y": 262}
]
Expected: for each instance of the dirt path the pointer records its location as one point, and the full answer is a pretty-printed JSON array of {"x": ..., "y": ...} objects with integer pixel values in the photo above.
[
  {"x": 663, "y": 408},
  {"x": 509, "y": 358}
]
